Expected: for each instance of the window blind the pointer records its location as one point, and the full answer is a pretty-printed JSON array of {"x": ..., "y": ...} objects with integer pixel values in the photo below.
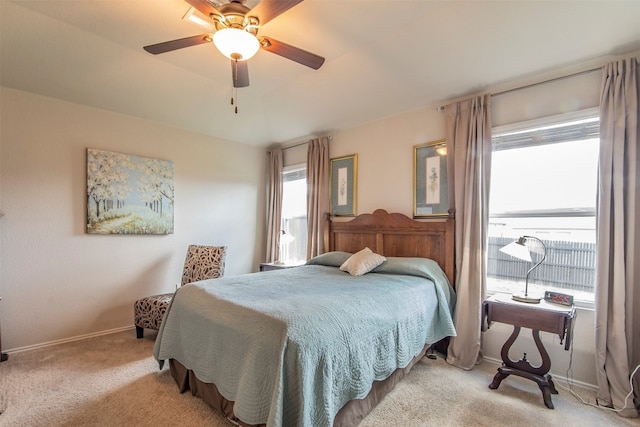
[
  {"x": 294, "y": 174},
  {"x": 576, "y": 131}
]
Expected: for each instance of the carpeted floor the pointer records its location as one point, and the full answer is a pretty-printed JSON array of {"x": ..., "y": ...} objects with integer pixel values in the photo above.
[{"x": 113, "y": 380}]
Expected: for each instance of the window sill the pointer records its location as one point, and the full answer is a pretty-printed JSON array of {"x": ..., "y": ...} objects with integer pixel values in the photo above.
[{"x": 578, "y": 303}]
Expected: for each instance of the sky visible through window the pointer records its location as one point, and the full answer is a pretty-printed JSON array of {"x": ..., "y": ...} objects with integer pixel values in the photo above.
[
  {"x": 547, "y": 177},
  {"x": 537, "y": 182},
  {"x": 294, "y": 220},
  {"x": 294, "y": 198}
]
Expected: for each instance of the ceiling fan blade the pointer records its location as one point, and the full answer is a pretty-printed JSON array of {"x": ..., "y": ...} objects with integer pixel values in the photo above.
[
  {"x": 266, "y": 10},
  {"x": 240, "y": 73},
  {"x": 178, "y": 44},
  {"x": 293, "y": 53},
  {"x": 204, "y": 7}
]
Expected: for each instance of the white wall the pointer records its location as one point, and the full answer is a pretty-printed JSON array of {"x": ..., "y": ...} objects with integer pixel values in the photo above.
[
  {"x": 56, "y": 282},
  {"x": 385, "y": 157},
  {"x": 385, "y": 180}
]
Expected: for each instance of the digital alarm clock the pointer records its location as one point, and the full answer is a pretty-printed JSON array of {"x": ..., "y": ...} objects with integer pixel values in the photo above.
[{"x": 558, "y": 298}]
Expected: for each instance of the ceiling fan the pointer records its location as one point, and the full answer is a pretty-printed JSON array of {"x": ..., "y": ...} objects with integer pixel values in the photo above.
[{"x": 236, "y": 35}]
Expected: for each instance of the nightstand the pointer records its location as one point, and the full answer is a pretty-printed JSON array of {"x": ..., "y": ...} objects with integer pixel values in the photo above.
[
  {"x": 268, "y": 266},
  {"x": 546, "y": 317}
]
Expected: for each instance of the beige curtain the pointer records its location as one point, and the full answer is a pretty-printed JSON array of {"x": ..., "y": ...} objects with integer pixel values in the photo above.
[
  {"x": 468, "y": 132},
  {"x": 317, "y": 194},
  {"x": 618, "y": 233},
  {"x": 274, "y": 204}
]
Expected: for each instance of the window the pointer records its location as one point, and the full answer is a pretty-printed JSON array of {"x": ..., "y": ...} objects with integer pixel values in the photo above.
[
  {"x": 544, "y": 184},
  {"x": 294, "y": 214}
]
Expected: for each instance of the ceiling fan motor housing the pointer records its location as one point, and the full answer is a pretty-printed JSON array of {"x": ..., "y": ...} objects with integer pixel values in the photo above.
[{"x": 233, "y": 15}]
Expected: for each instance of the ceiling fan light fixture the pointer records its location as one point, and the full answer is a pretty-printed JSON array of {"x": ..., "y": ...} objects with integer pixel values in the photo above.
[{"x": 236, "y": 44}]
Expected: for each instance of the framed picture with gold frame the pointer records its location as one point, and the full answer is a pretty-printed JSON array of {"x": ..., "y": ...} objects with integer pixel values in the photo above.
[
  {"x": 344, "y": 185},
  {"x": 430, "y": 187}
]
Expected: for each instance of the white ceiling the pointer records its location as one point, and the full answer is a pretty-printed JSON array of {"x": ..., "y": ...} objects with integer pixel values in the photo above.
[{"x": 382, "y": 58}]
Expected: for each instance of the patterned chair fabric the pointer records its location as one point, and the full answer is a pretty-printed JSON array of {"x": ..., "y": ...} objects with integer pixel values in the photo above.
[{"x": 201, "y": 263}]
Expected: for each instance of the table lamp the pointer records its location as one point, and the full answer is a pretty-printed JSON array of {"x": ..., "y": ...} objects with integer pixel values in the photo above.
[
  {"x": 285, "y": 239},
  {"x": 518, "y": 249}
]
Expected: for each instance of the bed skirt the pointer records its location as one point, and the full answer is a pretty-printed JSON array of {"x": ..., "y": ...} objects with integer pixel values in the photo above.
[{"x": 351, "y": 414}]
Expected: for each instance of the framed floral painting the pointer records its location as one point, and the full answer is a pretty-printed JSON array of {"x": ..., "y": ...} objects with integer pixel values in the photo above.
[
  {"x": 430, "y": 187},
  {"x": 344, "y": 185}
]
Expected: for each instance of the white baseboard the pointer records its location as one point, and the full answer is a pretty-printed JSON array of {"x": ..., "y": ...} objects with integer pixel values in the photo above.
[
  {"x": 67, "y": 340},
  {"x": 555, "y": 377}
]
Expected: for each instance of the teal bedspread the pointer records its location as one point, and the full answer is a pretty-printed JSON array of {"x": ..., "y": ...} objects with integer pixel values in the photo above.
[{"x": 291, "y": 347}]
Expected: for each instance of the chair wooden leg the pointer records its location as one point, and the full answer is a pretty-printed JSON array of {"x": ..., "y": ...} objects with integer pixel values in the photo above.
[{"x": 139, "y": 332}]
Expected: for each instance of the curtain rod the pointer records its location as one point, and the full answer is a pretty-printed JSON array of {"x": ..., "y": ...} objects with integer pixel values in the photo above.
[
  {"x": 294, "y": 145},
  {"x": 594, "y": 66},
  {"x": 553, "y": 79},
  {"x": 288, "y": 146},
  {"x": 297, "y": 144},
  {"x": 590, "y": 67}
]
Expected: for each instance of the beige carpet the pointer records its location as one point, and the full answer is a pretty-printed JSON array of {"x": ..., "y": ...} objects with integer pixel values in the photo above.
[{"x": 113, "y": 380}]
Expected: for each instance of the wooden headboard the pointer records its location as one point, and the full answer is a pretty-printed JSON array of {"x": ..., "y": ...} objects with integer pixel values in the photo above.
[{"x": 395, "y": 235}]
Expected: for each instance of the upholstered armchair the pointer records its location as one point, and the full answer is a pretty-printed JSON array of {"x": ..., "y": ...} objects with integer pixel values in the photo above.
[{"x": 202, "y": 262}]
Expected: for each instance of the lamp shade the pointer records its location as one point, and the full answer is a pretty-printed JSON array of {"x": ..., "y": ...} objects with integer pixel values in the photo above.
[
  {"x": 286, "y": 238},
  {"x": 236, "y": 44},
  {"x": 517, "y": 249}
]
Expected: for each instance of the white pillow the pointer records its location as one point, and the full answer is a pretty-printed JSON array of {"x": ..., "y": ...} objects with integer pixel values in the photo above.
[{"x": 362, "y": 262}]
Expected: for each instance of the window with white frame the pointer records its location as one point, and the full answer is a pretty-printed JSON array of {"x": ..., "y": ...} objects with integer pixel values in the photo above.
[
  {"x": 294, "y": 214},
  {"x": 544, "y": 184}
]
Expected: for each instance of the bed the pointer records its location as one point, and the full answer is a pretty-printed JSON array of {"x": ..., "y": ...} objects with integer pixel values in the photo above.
[{"x": 314, "y": 345}]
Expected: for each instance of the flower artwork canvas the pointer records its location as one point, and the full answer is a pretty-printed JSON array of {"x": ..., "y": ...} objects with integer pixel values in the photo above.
[{"x": 128, "y": 194}]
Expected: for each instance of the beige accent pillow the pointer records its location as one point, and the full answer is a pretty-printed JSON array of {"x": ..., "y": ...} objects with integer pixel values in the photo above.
[{"x": 362, "y": 262}]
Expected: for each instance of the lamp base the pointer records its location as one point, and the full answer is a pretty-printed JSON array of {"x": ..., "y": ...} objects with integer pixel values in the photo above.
[{"x": 525, "y": 298}]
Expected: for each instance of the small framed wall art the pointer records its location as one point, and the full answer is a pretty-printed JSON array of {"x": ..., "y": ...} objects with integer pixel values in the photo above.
[
  {"x": 430, "y": 188},
  {"x": 344, "y": 185}
]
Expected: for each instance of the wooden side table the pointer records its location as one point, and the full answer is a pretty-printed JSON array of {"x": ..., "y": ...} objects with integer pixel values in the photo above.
[{"x": 546, "y": 317}]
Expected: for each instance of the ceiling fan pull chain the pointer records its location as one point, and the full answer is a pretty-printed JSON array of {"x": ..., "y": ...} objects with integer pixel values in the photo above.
[
  {"x": 235, "y": 89},
  {"x": 234, "y": 99}
]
